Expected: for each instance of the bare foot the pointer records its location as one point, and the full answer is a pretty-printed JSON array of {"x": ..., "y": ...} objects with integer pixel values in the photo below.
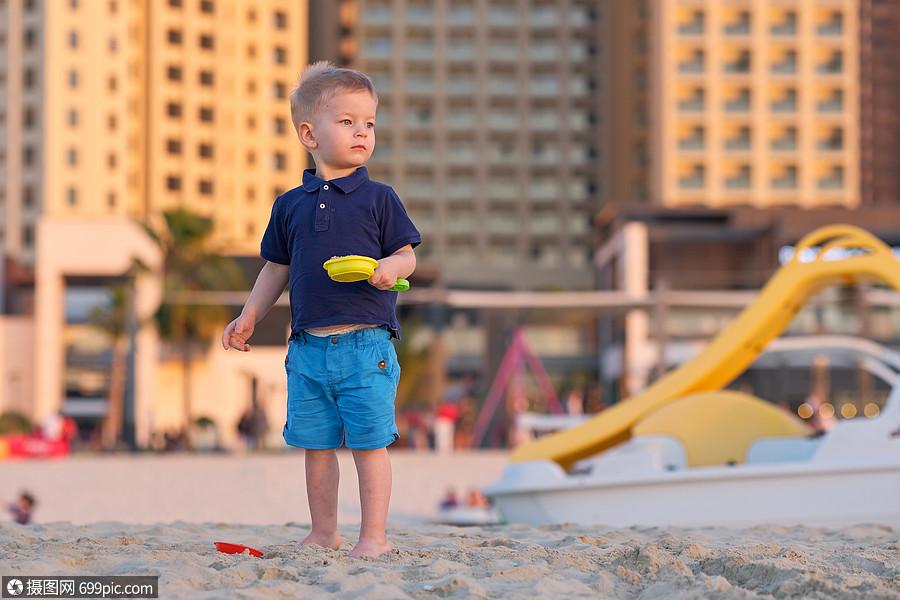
[
  {"x": 370, "y": 548},
  {"x": 332, "y": 541}
]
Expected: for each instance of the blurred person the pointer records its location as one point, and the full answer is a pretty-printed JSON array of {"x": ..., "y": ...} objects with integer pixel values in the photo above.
[
  {"x": 21, "y": 510},
  {"x": 253, "y": 425},
  {"x": 348, "y": 398},
  {"x": 450, "y": 500}
]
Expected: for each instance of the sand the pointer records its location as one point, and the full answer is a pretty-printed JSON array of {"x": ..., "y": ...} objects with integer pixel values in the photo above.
[
  {"x": 160, "y": 515},
  {"x": 510, "y": 561}
]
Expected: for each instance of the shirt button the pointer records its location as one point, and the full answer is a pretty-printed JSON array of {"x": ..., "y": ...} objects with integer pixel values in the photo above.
[
  {"x": 334, "y": 340},
  {"x": 325, "y": 187},
  {"x": 321, "y": 206}
]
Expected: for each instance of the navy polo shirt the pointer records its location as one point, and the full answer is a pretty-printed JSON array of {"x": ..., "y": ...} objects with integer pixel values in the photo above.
[{"x": 321, "y": 219}]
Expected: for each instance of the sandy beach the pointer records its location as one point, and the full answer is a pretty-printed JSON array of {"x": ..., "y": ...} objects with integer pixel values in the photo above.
[{"x": 159, "y": 515}]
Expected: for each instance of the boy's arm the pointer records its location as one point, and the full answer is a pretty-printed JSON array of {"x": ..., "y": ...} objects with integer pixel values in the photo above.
[
  {"x": 401, "y": 263},
  {"x": 270, "y": 284}
]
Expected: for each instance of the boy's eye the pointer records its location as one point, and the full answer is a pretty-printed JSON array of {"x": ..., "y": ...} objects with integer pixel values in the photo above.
[
  {"x": 346, "y": 122},
  {"x": 370, "y": 125}
]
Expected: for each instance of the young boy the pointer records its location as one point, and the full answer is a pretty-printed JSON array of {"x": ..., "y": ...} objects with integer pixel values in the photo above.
[{"x": 342, "y": 370}]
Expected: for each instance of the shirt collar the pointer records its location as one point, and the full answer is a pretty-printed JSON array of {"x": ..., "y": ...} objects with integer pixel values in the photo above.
[{"x": 346, "y": 184}]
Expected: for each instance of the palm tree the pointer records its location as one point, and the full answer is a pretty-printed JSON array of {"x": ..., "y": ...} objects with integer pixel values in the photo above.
[
  {"x": 114, "y": 320},
  {"x": 191, "y": 265}
]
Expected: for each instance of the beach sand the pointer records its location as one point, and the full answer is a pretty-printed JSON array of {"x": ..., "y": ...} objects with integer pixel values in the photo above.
[
  {"x": 159, "y": 515},
  {"x": 509, "y": 561}
]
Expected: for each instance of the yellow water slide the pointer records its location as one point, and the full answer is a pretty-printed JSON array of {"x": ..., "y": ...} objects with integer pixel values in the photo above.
[{"x": 865, "y": 258}]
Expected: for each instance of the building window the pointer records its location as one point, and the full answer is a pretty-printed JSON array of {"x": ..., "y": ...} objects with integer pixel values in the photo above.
[
  {"x": 280, "y": 20},
  {"x": 112, "y": 83},
  {"x": 28, "y": 117},
  {"x": 173, "y": 146},
  {"x": 72, "y": 118},
  {"x": 174, "y": 36},
  {"x": 28, "y": 78},
  {"x": 207, "y": 78},
  {"x": 173, "y": 73},
  {"x": 251, "y": 51},
  {"x": 207, "y": 42},
  {"x": 73, "y": 39},
  {"x": 279, "y": 125},
  {"x": 279, "y": 90},
  {"x": 173, "y": 183},
  {"x": 251, "y": 87},
  {"x": 113, "y": 7},
  {"x": 73, "y": 4},
  {"x": 29, "y": 38},
  {"x": 28, "y": 235},
  {"x": 205, "y": 187},
  {"x": 251, "y": 158},
  {"x": 72, "y": 196},
  {"x": 175, "y": 3},
  {"x": 28, "y": 156},
  {"x": 206, "y": 114},
  {"x": 111, "y": 199},
  {"x": 111, "y": 160},
  {"x": 205, "y": 150},
  {"x": 206, "y": 6},
  {"x": 279, "y": 161},
  {"x": 73, "y": 78},
  {"x": 173, "y": 109},
  {"x": 111, "y": 122},
  {"x": 279, "y": 55},
  {"x": 251, "y": 194},
  {"x": 72, "y": 157},
  {"x": 251, "y": 122},
  {"x": 30, "y": 5},
  {"x": 28, "y": 196},
  {"x": 113, "y": 45}
]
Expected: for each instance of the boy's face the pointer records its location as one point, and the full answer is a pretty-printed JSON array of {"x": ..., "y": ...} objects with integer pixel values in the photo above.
[{"x": 342, "y": 133}]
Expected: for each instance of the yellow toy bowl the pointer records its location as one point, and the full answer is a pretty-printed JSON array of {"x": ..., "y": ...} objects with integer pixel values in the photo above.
[{"x": 350, "y": 268}]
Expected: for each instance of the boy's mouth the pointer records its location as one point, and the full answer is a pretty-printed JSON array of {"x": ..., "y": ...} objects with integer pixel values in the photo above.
[{"x": 357, "y": 146}]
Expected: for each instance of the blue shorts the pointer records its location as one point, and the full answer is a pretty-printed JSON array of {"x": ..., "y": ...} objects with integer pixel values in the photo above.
[{"x": 341, "y": 390}]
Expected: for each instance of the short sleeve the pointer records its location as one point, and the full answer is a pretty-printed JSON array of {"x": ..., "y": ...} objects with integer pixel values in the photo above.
[
  {"x": 397, "y": 229},
  {"x": 274, "y": 247}
]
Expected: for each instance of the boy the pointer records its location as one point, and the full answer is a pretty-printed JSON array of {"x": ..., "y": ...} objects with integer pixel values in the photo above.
[{"x": 342, "y": 369}]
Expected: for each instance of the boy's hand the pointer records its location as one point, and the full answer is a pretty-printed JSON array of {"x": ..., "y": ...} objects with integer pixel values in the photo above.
[
  {"x": 238, "y": 332},
  {"x": 385, "y": 276}
]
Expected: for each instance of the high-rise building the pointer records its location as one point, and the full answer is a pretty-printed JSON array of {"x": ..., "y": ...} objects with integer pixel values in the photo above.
[
  {"x": 489, "y": 126},
  {"x": 127, "y": 108},
  {"x": 756, "y": 103},
  {"x": 879, "y": 102}
]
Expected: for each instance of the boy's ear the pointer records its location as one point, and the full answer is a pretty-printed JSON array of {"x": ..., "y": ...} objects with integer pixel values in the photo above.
[{"x": 305, "y": 133}]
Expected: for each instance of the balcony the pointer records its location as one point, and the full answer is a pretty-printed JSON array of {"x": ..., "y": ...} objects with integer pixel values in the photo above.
[
  {"x": 834, "y": 27},
  {"x": 787, "y": 142},
  {"x": 693, "y": 104},
  {"x": 833, "y": 143},
  {"x": 739, "y": 104},
  {"x": 740, "y": 181},
  {"x": 788, "y": 104},
  {"x": 788, "y": 181},
  {"x": 696, "y": 180},
  {"x": 834, "y": 104},
  {"x": 695, "y": 26},
  {"x": 739, "y": 142},
  {"x": 740, "y": 65},
  {"x": 787, "y": 66},
  {"x": 692, "y": 144},
  {"x": 739, "y": 27},
  {"x": 834, "y": 66},
  {"x": 834, "y": 181},
  {"x": 693, "y": 66},
  {"x": 787, "y": 28}
]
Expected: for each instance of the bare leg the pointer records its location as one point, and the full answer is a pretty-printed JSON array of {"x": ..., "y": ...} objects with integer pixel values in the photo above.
[
  {"x": 374, "y": 470},
  {"x": 322, "y": 477}
]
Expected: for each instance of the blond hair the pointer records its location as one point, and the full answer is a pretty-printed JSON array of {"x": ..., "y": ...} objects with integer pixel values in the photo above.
[{"x": 319, "y": 82}]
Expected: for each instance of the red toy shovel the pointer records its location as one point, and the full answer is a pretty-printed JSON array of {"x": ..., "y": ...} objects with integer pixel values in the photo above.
[{"x": 237, "y": 549}]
